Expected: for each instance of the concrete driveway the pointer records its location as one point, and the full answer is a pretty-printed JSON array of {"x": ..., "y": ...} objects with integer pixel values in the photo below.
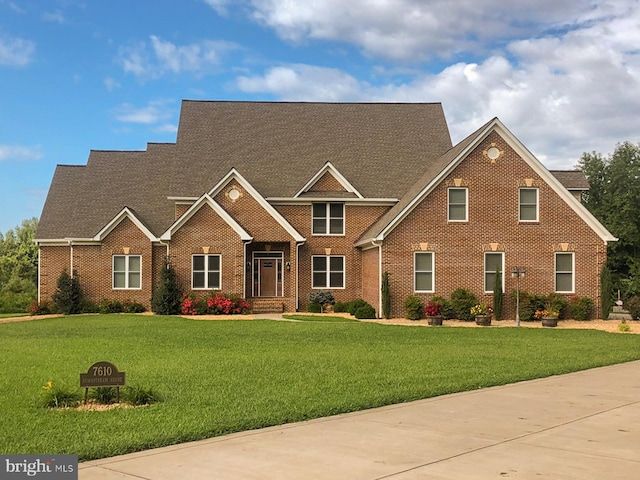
[{"x": 584, "y": 425}]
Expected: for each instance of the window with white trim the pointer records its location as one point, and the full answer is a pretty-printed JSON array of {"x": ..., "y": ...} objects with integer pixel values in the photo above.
[
  {"x": 327, "y": 271},
  {"x": 493, "y": 263},
  {"x": 458, "y": 204},
  {"x": 206, "y": 272},
  {"x": 565, "y": 272},
  {"x": 423, "y": 272},
  {"x": 127, "y": 272},
  {"x": 328, "y": 218},
  {"x": 528, "y": 205}
]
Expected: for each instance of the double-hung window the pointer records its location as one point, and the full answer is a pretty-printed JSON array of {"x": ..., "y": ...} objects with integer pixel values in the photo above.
[
  {"x": 327, "y": 271},
  {"x": 493, "y": 265},
  {"x": 458, "y": 205},
  {"x": 328, "y": 219},
  {"x": 528, "y": 205},
  {"x": 127, "y": 272},
  {"x": 423, "y": 272},
  {"x": 205, "y": 272},
  {"x": 565, "y": 273}
]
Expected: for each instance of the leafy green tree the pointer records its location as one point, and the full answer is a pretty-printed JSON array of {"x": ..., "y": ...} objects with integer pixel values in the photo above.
[
  {"x": 614, "y": 198},
  {"x": 18, "y": 267}
]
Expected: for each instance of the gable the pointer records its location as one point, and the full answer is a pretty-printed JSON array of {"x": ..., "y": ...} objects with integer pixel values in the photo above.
[
  {"x": 329, "y": 182},
  {"x": 459, "y": 154}
]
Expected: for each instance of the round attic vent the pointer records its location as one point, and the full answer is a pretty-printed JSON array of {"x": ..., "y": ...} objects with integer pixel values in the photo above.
[
  {"x": 493, "y": 153},
  {"x": 234, "y": 194}
]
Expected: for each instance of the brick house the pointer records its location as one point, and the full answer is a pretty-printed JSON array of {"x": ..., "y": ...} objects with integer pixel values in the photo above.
[{"x": 273, "y": 201}]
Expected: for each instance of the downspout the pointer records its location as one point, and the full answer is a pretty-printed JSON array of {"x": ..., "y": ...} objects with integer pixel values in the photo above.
[
  {"x": 71, "y": 258},
  {"x": 298, "y": 245},
  {"x": 38, "y": 274},
  {"x": 379, "y": 245}
]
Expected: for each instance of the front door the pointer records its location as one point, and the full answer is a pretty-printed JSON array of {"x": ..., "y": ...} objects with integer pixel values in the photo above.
[{"x": 267, "y": 274}]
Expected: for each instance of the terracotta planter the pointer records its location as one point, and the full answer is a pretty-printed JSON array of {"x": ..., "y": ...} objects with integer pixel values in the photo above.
[
  {"x": 435, "y": 320},
  {"x": 483, "y": 320},
  {"x": 549, "y": 321}
]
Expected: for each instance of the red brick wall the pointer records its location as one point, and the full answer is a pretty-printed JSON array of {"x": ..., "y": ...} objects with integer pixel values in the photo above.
[
  {"x": 371, "y": 278},
  {"x": 53, "y": 260},
  {"x": 357, "y": 220},
  {"x": 206, "y": 230},
  {"x": 493, "y": 219}
]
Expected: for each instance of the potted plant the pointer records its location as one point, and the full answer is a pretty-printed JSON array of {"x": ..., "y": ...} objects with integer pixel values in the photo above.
[
  {"x": 433, "y": 312},
  {"x": 482, "y": 312},
  {"x": 548, "y": 316}
]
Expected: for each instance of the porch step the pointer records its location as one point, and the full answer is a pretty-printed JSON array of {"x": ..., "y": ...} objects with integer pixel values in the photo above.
[{"x": 270, "y": 305}]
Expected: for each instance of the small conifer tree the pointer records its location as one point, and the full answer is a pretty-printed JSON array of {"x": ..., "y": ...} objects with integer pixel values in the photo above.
[
  {"x": 68, "y": 296},
  {"x": 167, "y": 296},
  {"x": 497, "y": 296},
  {"x": 386, "y": 296}
]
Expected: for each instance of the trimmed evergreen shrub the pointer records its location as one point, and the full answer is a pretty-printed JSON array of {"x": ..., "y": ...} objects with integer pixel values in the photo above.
[
  {"x": 581, "y": 308},
  {"x": 413, "y": 308},
  {"x": 462, "y": 300},
  {"x": 67, "y": 297},
  {"x": 322, "y": 298},
  {"x": 497, "y": 296},
  {"x": 341, "y": 307},
  {"x": 606, "y": 292},
  {"x": 167, "y": 297},
  {"x": 365, "y": 312},
  {"x": 354, "y": 305},
  {"x": 386, "y": 296},
  {"x": 314, "y": 308}
]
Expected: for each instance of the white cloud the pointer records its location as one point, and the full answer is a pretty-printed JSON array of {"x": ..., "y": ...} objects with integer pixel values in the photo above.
[
  {"x": 19, "y": 153},
  {"x": 159, "y": 57},
  {"x": 55, "y": 17},
  {"x": 16, "y": 52},
  {"x": 220, "y": 6},
  {"x": 111, "y": 84},
  {"x": 154, "y": 113},
  {"x": 415, "y": 30}
]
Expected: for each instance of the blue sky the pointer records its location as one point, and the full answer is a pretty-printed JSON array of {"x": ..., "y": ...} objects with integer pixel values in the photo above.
[{"x": 77, "y": 75}]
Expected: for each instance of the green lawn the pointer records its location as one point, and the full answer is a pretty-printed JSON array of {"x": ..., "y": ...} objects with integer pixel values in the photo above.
[
  {"x": 11, "y": 315},
  {"x": 226, "y": 376}
]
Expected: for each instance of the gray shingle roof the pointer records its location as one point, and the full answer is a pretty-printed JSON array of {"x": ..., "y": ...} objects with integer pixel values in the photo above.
[
  {"x": 278, "y": 147},
  {"x": 572, "y": 179}
]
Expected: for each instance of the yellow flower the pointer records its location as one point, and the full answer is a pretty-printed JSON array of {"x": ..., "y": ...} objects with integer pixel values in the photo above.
[{"x": 48, "y": 386}]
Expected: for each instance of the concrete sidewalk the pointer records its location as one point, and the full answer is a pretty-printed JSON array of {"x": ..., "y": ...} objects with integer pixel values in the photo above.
[{"x": 584, "y": 425}]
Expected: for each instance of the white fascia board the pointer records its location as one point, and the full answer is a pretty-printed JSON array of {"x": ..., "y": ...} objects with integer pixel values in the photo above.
[
  {"x": 328, "y": 167},
  {"x": 235, "y": 175},
  {"x": 206, "y": 199},
  {"x": 386, "y": 202},
  {"x": 124, "y": 213}
]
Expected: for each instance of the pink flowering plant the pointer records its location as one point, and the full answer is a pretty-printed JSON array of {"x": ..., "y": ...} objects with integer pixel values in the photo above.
[{"x": 214, "y": 304}]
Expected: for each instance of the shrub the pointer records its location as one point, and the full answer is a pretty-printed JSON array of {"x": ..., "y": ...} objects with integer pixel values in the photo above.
[
  {"x": 446, "y": 309},
  {"x": 558, "y": 303},
  {"x": 130, "y": 306},
  {"x": 59, "y": 396},
  {"x": 530, "y": 304},
  {"x": 386, "y": 296},
  {"x": 67, "y": 298},
  {"x": 341, "y": 307},
  {"x": 633, "y": 307},
  {"x": 462, "y": 300},
  {"x": 624, "y": 326},
  {"x": 354, "y": 305},
  {"x": 137, "y": 395},
  {"x": 213, "y": 304},
  {"x": 314, "y": 308},
  {"x": 14, "y": 302},
  {"x": 581, "y": 307},
  {"x": 366, "y": 311},
  {"x": 322, "y": 298},
  {"x": 166, "y": 297},
  {"x": 87, "y": 306},
  {"x": 42, "y": 308},
  {"x": 413, "y": 307},
  {"x": 497, "y": 296}
]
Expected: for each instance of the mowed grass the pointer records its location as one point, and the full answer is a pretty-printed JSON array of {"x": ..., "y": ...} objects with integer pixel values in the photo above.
[
  {"x": 11, "y": 315},
  {"x": 218, "y": 377}
]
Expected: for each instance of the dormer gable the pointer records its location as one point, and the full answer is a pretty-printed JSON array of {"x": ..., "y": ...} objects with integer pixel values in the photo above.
[
  {"x": 328, "y": 180},
  {"x": 124, "y": 213}
]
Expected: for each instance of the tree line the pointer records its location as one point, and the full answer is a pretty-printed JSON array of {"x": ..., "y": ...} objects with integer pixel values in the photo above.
[{"x": 18, "y": 267}]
